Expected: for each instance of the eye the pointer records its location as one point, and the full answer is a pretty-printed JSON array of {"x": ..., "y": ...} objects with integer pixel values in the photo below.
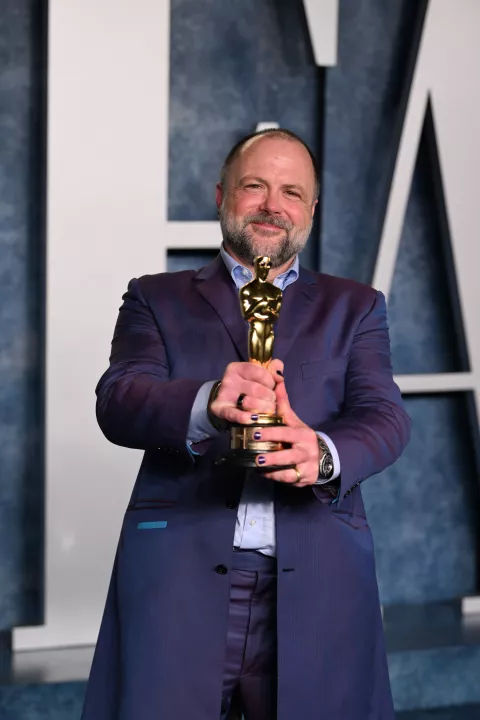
[
  {"x": 293, "y": 193},
  {"x": 253, "y": 186}
]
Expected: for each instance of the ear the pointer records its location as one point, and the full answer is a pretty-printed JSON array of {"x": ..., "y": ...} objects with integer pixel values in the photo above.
[
  {"x": 314, "y": 206},
  {"x": 218, "y": 195}
]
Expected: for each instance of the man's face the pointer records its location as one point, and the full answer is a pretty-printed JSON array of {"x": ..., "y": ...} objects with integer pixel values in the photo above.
[{"x": 268, "y": 205}]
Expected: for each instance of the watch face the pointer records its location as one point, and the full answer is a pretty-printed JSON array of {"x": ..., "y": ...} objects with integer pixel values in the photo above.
[{"x": 327, "y": 466}]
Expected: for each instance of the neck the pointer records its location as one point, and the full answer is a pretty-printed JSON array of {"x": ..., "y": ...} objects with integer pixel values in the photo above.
[{"x": 272, "y": 273}]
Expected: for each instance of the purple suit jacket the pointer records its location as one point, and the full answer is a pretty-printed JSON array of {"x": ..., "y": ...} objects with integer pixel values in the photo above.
[{"x": 162, "y": 642}]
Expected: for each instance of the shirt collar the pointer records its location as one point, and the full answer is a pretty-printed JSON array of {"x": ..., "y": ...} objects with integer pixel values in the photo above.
[{"x": 238, "y": 270}]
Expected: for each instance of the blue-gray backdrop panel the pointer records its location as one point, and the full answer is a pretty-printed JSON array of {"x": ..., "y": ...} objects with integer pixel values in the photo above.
[{"x": 21, "y": 310}]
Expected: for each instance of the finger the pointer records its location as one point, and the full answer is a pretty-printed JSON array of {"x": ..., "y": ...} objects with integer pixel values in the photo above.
[
  {"x": 255, "y": 405},
  {"x": 297, "y": 436},
  {"x": 257, "y": 391},
  {"x": 256, "y": 396},
  {"x": 273, "y": 458},
  {"x": 276, "y": 368},
  {"x": 289, "y": 477},
  {"x": 283, "y": 402},
  {"x": 237, "y": 417},
  {"x": 254, "y": 372},
  {"x": 284, "y": 409}
]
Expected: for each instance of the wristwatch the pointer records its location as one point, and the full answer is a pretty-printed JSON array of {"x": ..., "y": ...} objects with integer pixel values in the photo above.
[{"x": 326, "y": 467}]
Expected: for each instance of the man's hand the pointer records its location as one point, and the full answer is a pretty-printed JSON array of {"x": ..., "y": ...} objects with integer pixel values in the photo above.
[
  {"x": 304, "y": 453},
  {"x": 255, "y": 383}
]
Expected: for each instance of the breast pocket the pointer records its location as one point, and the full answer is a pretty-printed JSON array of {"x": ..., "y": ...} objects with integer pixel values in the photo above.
[{"x": 322, "y": 389}]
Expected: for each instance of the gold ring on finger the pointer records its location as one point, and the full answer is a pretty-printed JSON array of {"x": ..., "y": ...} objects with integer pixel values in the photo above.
[{"x": 298, "y": 474}]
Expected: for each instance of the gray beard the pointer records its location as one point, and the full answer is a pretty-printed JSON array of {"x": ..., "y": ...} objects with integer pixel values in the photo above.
[{"x": 237, "y": 237}]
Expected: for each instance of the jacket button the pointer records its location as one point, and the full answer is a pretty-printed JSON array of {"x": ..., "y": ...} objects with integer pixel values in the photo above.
[
  {"x": 231, "y": 506},
  {"x": 221, "y": 569}
]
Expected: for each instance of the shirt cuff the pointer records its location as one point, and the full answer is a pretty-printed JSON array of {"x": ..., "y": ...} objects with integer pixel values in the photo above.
[
  {"x": 335, "y": 457},
  {"x": 200, "y": 427}
]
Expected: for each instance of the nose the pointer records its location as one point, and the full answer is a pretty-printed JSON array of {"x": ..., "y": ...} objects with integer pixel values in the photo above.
[{"x": 271, "y": 202}]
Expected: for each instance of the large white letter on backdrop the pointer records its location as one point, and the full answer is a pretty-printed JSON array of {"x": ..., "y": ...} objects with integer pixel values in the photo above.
[
  {"x": 106, "y": 223},
  {"x": 448, "y": 53}
]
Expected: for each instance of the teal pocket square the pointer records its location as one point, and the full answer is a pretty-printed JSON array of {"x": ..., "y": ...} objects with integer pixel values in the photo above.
[{"x": 157, "y": 525}]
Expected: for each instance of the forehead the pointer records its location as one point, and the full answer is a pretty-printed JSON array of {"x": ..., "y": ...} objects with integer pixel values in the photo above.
[{"x": 274, "y": 154}]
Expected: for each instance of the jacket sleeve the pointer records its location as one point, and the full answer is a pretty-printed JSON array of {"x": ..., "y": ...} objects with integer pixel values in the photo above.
[
  {"x": 138, "y": 406},
  {"x": 373, "y": 428}
]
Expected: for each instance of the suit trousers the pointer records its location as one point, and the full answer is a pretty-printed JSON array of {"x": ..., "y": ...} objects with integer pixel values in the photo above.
[{"x": 250, "y": 673}]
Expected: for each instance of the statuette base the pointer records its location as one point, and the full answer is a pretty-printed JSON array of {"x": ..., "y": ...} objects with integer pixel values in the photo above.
[{"x": 244, "y": 449}]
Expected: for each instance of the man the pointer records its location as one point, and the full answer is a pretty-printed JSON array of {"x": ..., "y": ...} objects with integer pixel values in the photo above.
[{"x": 248, "y": 592}]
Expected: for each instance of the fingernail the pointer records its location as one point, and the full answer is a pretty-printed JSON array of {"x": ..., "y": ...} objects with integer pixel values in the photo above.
[
  {"x": 254, "y": 417},
  {"x": 279, "y": 372},
  {"x": 261, "y": 460},
  {"x": 257, "y": 435}
]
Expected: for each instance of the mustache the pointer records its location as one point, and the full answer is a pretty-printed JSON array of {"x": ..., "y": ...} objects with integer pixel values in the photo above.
[{"x": 264, "y": 217}]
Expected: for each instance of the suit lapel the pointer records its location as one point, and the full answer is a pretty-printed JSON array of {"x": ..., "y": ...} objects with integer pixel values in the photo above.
[
  {"x": 296, "y": 305},
  {"x": 217, "y": 287}
]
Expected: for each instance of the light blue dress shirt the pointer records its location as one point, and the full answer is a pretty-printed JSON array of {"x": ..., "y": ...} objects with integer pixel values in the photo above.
[{"x": 255, "y": 527}]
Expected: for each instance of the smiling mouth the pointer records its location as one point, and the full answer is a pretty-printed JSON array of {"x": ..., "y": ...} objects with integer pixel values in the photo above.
[{"x": 267, "y": 226}]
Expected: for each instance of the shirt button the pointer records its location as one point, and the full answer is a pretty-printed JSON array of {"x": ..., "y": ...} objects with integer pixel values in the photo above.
[
  {"x": 221, "y": 569},
  {"x": 253, "y": 522}
]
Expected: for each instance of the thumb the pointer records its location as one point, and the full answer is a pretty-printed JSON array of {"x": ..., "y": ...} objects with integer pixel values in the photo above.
[
  {"x": 276, "y": 368},
  {"x": 284, "y": 408}
]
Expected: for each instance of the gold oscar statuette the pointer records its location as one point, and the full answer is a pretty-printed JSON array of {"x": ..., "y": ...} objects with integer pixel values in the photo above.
[{"x": 260, "y": 303}]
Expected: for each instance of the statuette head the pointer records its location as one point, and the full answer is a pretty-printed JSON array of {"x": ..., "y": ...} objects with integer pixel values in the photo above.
[{"x": 262, "y": 266}]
